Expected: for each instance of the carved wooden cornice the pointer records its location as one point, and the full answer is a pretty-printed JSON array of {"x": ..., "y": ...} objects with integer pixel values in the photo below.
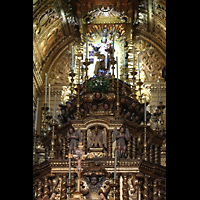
[{"x": 123, "y": 166}]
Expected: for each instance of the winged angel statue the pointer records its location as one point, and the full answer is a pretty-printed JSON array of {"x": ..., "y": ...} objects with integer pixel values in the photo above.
[
  {"x": 97, "y": 138},
  {"x": 73, "y": 137},
  {"x": 121, "y": 136}
]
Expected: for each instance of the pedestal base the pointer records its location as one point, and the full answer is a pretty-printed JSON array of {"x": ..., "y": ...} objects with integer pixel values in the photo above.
[{"x": 97, "y": 152}]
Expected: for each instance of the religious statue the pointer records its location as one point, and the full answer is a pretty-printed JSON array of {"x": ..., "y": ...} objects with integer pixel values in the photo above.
[
  {"x": 58, "y": 146},
  {"x": 121, "y": 137},
  {"x": 103, "y": 53},
  {"x": 74, "y": 137},
  {"x": 97, "y": 138},
  {"x": 62, "y": 117},
  {"x": 104, "y": 50},
  {"x": 110, "y": 43}
]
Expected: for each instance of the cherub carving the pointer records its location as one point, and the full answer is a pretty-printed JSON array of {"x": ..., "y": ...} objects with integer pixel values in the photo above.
[{"x": 92, "y": 185}]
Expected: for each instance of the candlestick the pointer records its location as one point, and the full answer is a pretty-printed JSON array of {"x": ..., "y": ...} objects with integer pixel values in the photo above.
[
  {"x": 115, "y": 164},
  {"x": 86, "y": 45},
  {"x": 123, "y": 54},
  {"x": 49, "y": 96},
  {"x": 69, "y": 168},
  {"x": 113, "y": 46},
  {"x": 52, "y": 151},
  {"x": 159, "y": 88},
  {"x": 79, "y": 68},
  {"x": 45, "y": 88},
  {"x": 74, "y": 64},
  {"x": 54, "y": 112},
  {"x": 83, "y": 52},
  {"x": 36, "y": 116},
  {"x": 157, "y": 93},
  {"x": 133, "y": 57},
  {"x": 145, "y": 114},
  {"x": 72, "y": 57},
  {"x": 138, "y": 66},
  {"x": 117, "y": 66}
]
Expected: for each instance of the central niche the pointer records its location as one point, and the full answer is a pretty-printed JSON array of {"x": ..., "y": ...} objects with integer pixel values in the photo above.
[{"x": 97, "y": 141}]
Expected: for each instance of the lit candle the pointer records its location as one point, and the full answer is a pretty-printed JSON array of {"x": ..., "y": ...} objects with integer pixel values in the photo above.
[
  {"x": 117, "y": 66},
  {"x": 45, "y": 96},
  {"x": 145, "y": 114},
  {"x": 159, "y": 88},
  {"x": 79, "y": 68},
  {"x": 157, "y": 92},
  {"x": 138, "y": 66},
  {"x": 36, "y": 115},
  {"x": 115, "y": 164},
  {"x": 72, "y": 57},
  {"x": 49, "y": 96},
  {"x": 69, "y": 168},
  {"x": 54, "y": 112},
  {"x": 86, "y": 45}
]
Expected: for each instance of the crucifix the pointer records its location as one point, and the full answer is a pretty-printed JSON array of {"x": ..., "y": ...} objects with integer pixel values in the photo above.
[{"x": 79, "y": 156}]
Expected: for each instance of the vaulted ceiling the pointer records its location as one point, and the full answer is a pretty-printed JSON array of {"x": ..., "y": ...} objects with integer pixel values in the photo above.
[{"x": 59, "y": 24}]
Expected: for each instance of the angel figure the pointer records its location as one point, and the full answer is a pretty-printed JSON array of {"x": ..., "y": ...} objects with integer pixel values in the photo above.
[
  {"x": 74, "y": 137},
  {"x": 121, "y": 137},
  {"x": 97, "y": 138}
]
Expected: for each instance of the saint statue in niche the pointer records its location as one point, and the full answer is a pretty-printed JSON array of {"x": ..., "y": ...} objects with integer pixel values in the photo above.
[{"x": 103, "y": 51}]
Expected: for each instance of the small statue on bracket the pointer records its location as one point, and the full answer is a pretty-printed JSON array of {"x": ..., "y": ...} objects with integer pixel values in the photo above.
[
  {"x": 73, "y": 137},
  {"x": 121, "y": 137}
]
